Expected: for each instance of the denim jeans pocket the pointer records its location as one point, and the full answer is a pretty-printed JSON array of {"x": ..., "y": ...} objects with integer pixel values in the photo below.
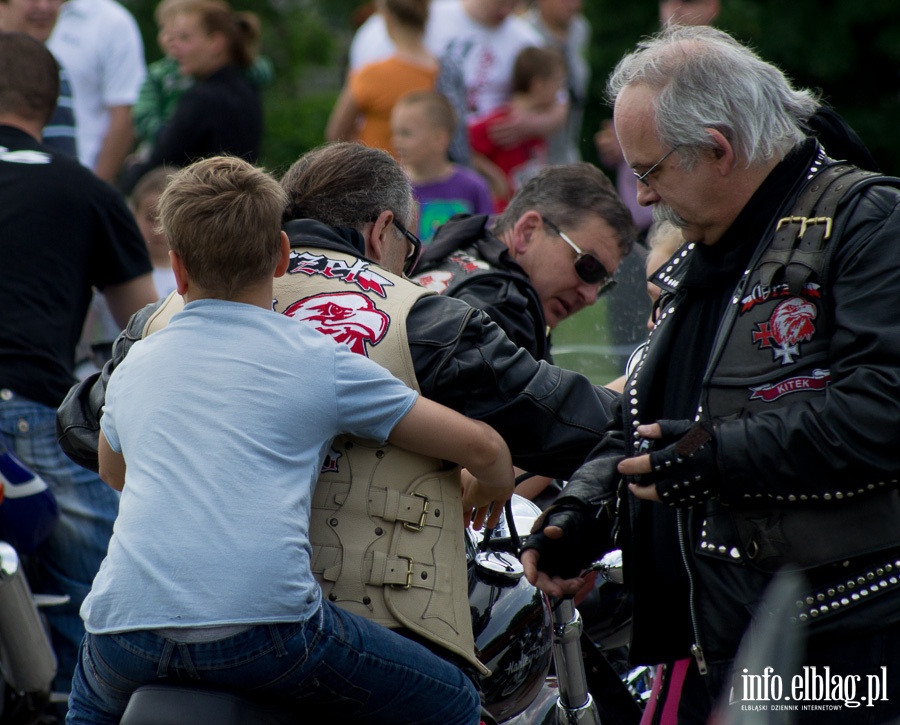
[{"x": 113, "y": 673}]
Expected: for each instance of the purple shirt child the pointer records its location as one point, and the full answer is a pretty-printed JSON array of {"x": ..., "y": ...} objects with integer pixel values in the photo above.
[{"x": 463, "y": 192}]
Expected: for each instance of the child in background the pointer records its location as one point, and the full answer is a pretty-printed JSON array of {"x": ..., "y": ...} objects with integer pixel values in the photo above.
[
  {"x": 422, "y": 125},
  {"x": 538, "y": 78},
  {"x": 215, "y": 429},
  {"x": 144, "y": 199},
  {"x": 362, "y": 111}
]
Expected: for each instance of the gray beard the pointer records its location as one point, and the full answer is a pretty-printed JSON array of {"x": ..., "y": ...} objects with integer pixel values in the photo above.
[{"x": 665, "y": 213}]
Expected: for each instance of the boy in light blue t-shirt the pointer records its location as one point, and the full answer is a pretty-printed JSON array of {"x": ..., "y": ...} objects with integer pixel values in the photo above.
[{"x": 215, "y": 429}]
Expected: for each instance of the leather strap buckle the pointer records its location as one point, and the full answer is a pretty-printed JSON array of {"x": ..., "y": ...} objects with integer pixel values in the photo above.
[
  {"x": 409, "y": 573},
  {"x": 804, "y": 222},
  {"x": 421, "y": 525}
]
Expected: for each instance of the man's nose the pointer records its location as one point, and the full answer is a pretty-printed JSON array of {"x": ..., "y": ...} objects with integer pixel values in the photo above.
[
  {"x": 587, "y": 294},
  {"x": 646, "y": 196}
]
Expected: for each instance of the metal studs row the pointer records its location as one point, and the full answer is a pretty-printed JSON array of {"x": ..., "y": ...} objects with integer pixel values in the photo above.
[
  {"x": 828, "y": 496},
  {"x": 708, "y": 546},
  {"x": 852, "y": 591},
  {"x": 666, "y": 274}
]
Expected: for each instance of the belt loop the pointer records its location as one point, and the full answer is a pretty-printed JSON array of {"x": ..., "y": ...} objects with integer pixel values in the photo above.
[
  {"x": 187, "y": 662},
  {"x": 275, "y": 633},
  {"x": 165, "y": 658}
]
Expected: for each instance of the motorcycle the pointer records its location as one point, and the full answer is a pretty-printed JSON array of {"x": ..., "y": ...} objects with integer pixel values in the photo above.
[
  {"x": 544, "y": 668},
  {"x": 28, "y": 513}
]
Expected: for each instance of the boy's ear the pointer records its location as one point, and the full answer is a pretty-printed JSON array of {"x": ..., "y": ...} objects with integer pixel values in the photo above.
[
  {"x": 182, "y": 278},
  {"x": 284, "y": 256}
]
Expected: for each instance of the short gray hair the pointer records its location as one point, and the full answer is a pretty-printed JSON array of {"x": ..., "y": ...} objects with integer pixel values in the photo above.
[
  {"x": 347, "y": 185},
  {"x": 704, "y": 78},
  {"x": 571, "y": 194}
]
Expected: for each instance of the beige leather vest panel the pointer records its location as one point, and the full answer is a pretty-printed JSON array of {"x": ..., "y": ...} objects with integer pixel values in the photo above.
[{"x": 386, "y": 525}]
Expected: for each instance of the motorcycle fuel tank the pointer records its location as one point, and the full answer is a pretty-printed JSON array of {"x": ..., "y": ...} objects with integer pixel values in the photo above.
[{"x": 510, "y": 617}]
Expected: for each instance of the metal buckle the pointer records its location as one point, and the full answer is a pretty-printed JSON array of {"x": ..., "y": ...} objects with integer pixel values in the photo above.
[
  {"x": 409, "y": 573},
  {"x": 805, "y": 222},
  {"x": 422, "y": 518}
]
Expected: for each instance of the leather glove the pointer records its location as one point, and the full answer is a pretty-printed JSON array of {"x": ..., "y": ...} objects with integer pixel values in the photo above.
[
  {"x": 686, "y": 472},
  {"x": 582, "y": 538}
]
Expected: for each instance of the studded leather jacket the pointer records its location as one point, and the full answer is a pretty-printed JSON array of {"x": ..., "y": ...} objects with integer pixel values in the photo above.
[{"x": 800, "y": 377}]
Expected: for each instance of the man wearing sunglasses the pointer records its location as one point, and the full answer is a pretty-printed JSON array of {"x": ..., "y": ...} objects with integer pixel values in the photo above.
[
  {"x": 552, "y": 252},
  {"x": 349, "y": 210}
]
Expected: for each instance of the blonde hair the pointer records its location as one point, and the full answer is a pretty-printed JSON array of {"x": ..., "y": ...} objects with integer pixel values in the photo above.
[
  {"x": 664, "y": 238},
  {"x": 437, "y": 107},
  {"x": 222, "y": 216}
]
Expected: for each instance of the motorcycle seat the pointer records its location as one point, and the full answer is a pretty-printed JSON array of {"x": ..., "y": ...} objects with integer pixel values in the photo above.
[{"x": 184, "y": 705}]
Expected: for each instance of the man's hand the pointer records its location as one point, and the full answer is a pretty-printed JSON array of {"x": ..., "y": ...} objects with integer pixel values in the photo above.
[
  {"x": 512, "y": 130},
  {"x": 563, "y": 541},
  {"x": 522, "y": 125},
  {"x": 682, "y": 474},
  {"x": 482, "y": 503},
  {"x": 554, "y": 586}
]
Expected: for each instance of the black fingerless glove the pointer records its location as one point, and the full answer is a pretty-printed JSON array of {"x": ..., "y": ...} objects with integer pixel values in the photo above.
[
  {"x": 586, "y": 533},
  {"x": 686, "y": 472}
]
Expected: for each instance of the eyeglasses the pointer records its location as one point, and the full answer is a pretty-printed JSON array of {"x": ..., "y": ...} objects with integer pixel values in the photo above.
[
  {"x": 643, "y": 177},
  {"x": 415, "y": 248},
  {"x": 588, "y": 268}
]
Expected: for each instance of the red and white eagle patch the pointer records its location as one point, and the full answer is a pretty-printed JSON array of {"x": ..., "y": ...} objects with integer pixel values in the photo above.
[
  {"x": 790, "y": 324},
  {"x": 350, "y": 318}
]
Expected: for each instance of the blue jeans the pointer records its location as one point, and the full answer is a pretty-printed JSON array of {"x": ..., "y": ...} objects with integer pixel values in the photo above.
[
  {"x": 69, "y": 560},
  {"x": 362, "y": 671}
]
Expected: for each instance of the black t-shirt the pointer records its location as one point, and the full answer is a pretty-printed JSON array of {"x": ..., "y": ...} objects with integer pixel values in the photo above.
[
  {"x": 62, "y": 231},
  {"x": 220, "y": 114}
]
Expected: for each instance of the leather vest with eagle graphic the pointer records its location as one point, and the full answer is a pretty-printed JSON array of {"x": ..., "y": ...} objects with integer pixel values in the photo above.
[
  {"x": 771, "y": 351},
  {"x": 386, "y": 525}
]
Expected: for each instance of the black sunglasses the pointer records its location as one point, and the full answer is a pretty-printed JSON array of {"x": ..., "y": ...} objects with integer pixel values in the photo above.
[
  {"x": 588, "y": 268},
  {"x": 415, "y": 248}
]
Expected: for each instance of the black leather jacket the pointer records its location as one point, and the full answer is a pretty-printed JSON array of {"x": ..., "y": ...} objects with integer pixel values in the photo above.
[
  {"x": 477, "y": 267},
  {"x": 551, "y": 418},
  {"x": 822, "y": 450}
]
